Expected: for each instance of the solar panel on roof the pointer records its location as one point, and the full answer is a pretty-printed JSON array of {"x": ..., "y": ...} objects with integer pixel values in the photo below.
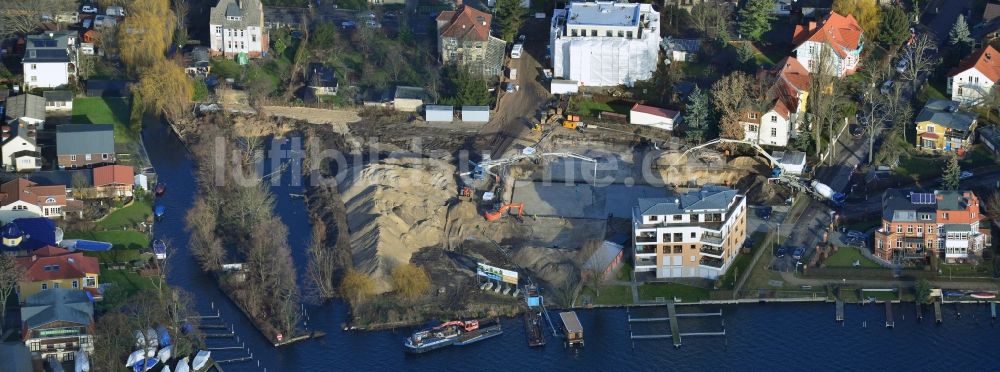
[
  {"x": 51, "y": 43},
  {"x": 922, "y": 198},
  {"x": 38, "y": 43}
]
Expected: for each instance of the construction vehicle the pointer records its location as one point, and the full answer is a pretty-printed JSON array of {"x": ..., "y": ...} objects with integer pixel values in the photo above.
[
  {"x": 465, "y": 192},
  {"x": 814, "y": 188},
  {"x": 574, "y": 124},
  {"x": 497, "y": 213}
]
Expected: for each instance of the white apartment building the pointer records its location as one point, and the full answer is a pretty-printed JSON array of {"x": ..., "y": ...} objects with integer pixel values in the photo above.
[
  {"x": 605, "y": 43},
  {"x": 50, "y": 59},
  {"x": 237, "y": 26},
  {"x": 694, "y": 235}
]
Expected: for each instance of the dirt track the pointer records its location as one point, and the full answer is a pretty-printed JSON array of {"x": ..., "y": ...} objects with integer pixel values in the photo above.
[{"x": 338, "y": 118}]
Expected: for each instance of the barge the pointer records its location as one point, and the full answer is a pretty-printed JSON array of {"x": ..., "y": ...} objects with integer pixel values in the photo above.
[{"x": 456, "y": 332}]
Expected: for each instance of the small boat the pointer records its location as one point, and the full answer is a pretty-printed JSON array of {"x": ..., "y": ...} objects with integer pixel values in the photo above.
[
  {"x": 160, "y": 249},
  {"x": 149, "y": 363},
  {"x": 953, "y": 294},
  {"x": 160, "y": 188},
  {"x": 455, "y": 332},
  {"x": 159, "y": 210},
  {"x": 182, "y": 365},
  {"x": 983, "y": 295},
  {"x": 164, "y": 354},
  {"x": 201, "y": 360}
]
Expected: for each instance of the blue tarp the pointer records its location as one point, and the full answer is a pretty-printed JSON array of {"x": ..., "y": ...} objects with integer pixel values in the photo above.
[
  {"x": 86, "y": 245},
  {"x": 163, "y": 335}
]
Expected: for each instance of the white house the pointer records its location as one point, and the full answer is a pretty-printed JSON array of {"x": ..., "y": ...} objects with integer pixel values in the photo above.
[
  {"x": 25, "y": 107},
  {"x": 773, "y": 127},
  {"x": 21, "y": 198},
  {"x": 237, "y": 26},
  {"x": 654, "y": 117},
  {"x": 974, "y": 77},
  {"x": 605, "y": 43},
  {"x": 842, "y": 36},
  {"x": 779, "y": 122},
  {"x": 50, "y": 59},
  {"x": 58, "y": 100},
  {"x": 19, "y": 151}
]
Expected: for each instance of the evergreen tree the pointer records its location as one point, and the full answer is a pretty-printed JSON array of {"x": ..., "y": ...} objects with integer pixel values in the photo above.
[
  {"x": 755, "y": 18},
  {"x": 894, "y": 27},
  {"x": 510, "y": 16},
  {"x": 949, "y": 181},
  {"x": 746, "y": 57},
  {"x": 959, "y": 34},
  {"x": 697, "y": 115},
  {"x": 803, "y": 139}
]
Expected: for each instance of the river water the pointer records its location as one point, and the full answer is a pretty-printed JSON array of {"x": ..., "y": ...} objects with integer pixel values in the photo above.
[{"x": 759, "y": 336}]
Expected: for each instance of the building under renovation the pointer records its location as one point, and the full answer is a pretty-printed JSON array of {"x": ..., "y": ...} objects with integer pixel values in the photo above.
[{"x": 605, "y": 43}]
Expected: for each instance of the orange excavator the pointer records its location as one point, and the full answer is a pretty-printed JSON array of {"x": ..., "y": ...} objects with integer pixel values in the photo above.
[
  {"x": 468, "y": 325},
  {"x": 496, "y": 214}
]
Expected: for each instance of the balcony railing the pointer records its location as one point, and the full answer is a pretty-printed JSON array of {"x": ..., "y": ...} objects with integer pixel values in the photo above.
[
  {"x": 645, "y": 262},
  {"x": 645, "y": 249},
  {"x": 645, "y": 239},
  {"x": 712, "y": 239},
  {"x": 712, "y": 251},
  {"x": 711, "y": 262}
]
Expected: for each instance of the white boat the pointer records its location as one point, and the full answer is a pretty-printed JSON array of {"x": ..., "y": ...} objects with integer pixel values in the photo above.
[
  {"x": 164, "y": 353},
  {"x": 166, "y": 368},
  {"x": 182, "y": 365},
  {"x": 135, "y": 357},
  {"x": 80, "y": 362},
  {"x": 201, "y": 360}
]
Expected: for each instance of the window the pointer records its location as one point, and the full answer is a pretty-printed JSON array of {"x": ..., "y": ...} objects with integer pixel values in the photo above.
[
  {"x": 677, "y": 217},
  {"x": 45, "y": 286},
  {"x": 653, "y": 218},
  {"x": 593, "y": 32},
  {"x": 678, "y": 237},
  {"x": 692, "y": 246},
  {"x": 692, "y": 258},
  {"x": 693, "y": 235},
  {"x": 86, "y": 157},
  {"x": 812, "y": 48},
  {"x": 76, "y": 284},
  {"x": 752, "y": 128},
  {"x": 945, "y": 216},
  {"x": 752, "y": 115},
  {"x": 34, "y": 78},
  {"x": 909, "y": 229},
  {"x": 621, "y": 33},
  {"x": 678, "y": 248},
  {"x": 899, "y": 244},
  {"x": 104, "y": 156},
  {"x": 774, "y": 118},
  {"x": 89, "y": 282},
  {"x": 34, "y": 66},
  {"x": 774, "y": 132},
  {"x": 50, "y": 200},
  {"x": 977, "y": 79},
  {"x": 629, "y": 34},
  {"x": 609, "y": 34},
  {"x": 72, "y": 158},
  {"x": 920, "y": 229},
  {"x": 899, "y": 228},
  {"x": 930, "y": 128},
  {"x": 55, "y": 285},
  {"x": 573, "y": 33}
]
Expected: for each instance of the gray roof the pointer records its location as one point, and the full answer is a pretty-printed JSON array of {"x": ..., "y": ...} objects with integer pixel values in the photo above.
[
  {"x": 49, "y": 46},
  {"x": 58, "y": 96},
  {"x": 945, "y": 113},
  {"x": 249, "y": 11},
  {"x": 405, "y": 92},
  {"x": 682, "y": 45},
  {"x": 57, "y": 304},
  {"x": 46, "y": 56},
  {"x": 709, "y": 198},
  {"x": 951, "y": 200},
  {"x": 24, "y": 131},
  {"x": 897, "y": 206},
  {"x": 790, "y": 157},
  {"x": 603, "y": 256},
  {"x": 321, "y": 76},
  {"x": 603, "y": 14},
  {"x": 16, "y": 357},
  {"x": 957, "y": 227},
  {"x": 72, "y": 139},
  {"x": 60, "y": 177},
  {"x": 441, "y": 108},
  {"x": 475, "y": 108},
  {"x": 991, "y": 133},
  {"x": 26, "y": 106}
]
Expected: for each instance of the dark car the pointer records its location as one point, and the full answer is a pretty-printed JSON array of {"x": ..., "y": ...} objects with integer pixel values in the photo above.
[
  {"x": 781, "y": 252},
  {"x": 798, "y": 252},
  {"x": 764, "y": 213},
  {"x": 856, "y": 131}
]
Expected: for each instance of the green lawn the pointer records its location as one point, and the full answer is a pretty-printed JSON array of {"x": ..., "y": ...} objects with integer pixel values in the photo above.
[
  {"x": 589, "y": 107},
  {"x": 932, "y": 91},
  {"x": 742, "y": 262},
  {"x": 695, "y": 70},
  {"x": 966, "y": 270},
  {"x": 128, "y": 216},
  {"x": 105, "y": 110},
  {"x": 668, "y": 291},
  {"x": 610, "y": 295},
  {"x": 880, "y": 295},
  {"x": 845, "y": 257},
  {"x": 919, "y": 167},
  {"x": 126, "y": 280},
  {"x": 978, "y": 157},
  {"x": 625, "y": 272}
]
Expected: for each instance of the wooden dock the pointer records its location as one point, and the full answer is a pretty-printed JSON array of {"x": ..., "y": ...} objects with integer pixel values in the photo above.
[
  {"x": 920, "y": 310},
  {"x": 674, "y": 328},
  {"x": 840, "y": 310},
  {"x": 889, "y": 321},
  {"x": 993, "y": 310},
  {"x": 533, "y": 328},
  {"x": 937, "y": 311}
]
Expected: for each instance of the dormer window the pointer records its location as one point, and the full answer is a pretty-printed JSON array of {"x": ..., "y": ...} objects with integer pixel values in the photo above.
[{"x": 50, "y": 200}]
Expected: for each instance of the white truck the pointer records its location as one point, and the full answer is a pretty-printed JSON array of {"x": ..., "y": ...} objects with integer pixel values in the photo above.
[
  {"x": 515, "y": 52},
  {"x": 559, "y": 86}
]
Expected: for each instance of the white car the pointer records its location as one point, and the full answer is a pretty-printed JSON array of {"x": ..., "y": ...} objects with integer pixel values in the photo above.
[
  {"x": 89, "y": 9},
  {"x": 901, "y": 66},
  {"x": 965, "y": 175},
  {"x": 515, "y": 52}
]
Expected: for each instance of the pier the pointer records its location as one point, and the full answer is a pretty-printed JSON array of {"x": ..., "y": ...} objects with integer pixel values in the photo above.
[
  {"x": 840, "y": 310},
  {"x": 993, "y": 310},
  {"x": 937, "y": 311},
  {"x": 673, "y": 320},
  {"x": 889, "y": 321},
  {"x": 920, "y": 310}
]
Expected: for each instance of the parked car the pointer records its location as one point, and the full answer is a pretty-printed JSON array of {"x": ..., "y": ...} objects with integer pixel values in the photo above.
[
  {"x": 781, "y": 252},
  {"x": 856, "y": 235},
  {"x": 348, "y": 24},
  {"x": 901, "y": 65},
  {"x": 764, "y": 212},
  {"x": 886, "y": 87},
  {"x": 89, "y": 9},
  {"x": 965, "y": 175},
  {"x": 856, "y": 131},
  {"x": 798, "y": 252}
]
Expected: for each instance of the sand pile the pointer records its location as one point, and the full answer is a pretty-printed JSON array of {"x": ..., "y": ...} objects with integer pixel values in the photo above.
[
  {"x": 556, "y": 269},
  {"x": 394, "y": 208}
]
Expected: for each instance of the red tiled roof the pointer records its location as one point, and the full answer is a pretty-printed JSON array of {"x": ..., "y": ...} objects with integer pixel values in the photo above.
[
  {"x": 986, "y": 61},
  {"x": 929, "y": 135},
  {"x": 466, "y": 23},
  {"x": 113, "y": 175},
  {"x": 841, "y": 32},
  {"x": 30, "y": 192},
  {"x": 60, "y": 264},
  {"x": 794, "y": 73},
  {"x": 661, "y": 112}
]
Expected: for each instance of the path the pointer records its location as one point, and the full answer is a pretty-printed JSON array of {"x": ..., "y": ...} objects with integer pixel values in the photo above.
[{"x": 869, "y": 283}]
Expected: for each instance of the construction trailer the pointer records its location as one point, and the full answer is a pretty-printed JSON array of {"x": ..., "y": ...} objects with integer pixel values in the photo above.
[
  {"x": 439, "y": 113},
  {"x": 476, "y": 114}
]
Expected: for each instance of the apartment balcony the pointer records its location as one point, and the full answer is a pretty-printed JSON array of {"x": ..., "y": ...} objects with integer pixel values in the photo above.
[
  {"x": 711, "y": 251},
  {"x": 712, "y": 239},
  {"x": 710, "y": 262},
  {"x": 649, "y": 262},
  {"x": 645, "y": 249},
  {"x": 645, "y": 238}
]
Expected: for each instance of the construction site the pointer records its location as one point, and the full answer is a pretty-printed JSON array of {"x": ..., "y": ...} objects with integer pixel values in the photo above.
[{"x": 537, "y": 199}]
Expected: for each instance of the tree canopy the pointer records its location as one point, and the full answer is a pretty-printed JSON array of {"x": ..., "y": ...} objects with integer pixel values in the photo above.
[
  {"x": 165, "y": 88},
  {"x": 755, "y": 18},
  {"x": 356, "y": 287},
  {"x": 697, "y": 115},
  {"x": 959, "y": 35},
  {"x": 894, "y": 27},
  {"x": 865, "y": 11},
  {"x": 462, "y": 87},
  {"x": 410, "y": 281},
  {"x": 952, "y": 173},
  {"x": 510, "y": 16}
]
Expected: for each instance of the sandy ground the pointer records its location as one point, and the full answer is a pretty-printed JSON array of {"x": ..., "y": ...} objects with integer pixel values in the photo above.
[{"x": 337, "y": 118}]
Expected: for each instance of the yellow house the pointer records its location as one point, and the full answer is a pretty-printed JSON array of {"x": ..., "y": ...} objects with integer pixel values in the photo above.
[
  {"x": 51, "y": 267},
  {"x": 942, "y": 127}
]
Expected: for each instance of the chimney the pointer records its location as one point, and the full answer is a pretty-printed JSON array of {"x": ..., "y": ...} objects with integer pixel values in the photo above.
[
  {"x": 239, "y": 3},
  {"x": 988, "y": 56},
  {"x": 34, "y": 258},
  {"x": 458, "y": 4},
  {"x": 812, "y": 26}
]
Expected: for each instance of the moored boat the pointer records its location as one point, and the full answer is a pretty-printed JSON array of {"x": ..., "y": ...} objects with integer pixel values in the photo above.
[
  {"x": 983, "y": 295},
  {"x": 451, "y": 333},
  {"x": 160, "y": 249},
  {"x": 160, "y": 188}
]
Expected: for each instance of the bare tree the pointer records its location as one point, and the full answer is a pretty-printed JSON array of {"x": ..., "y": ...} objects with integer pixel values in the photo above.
[
  {"x": 731, "y": 95},
  {"x": 875, "y": 107},
  {"x": 710, "y": 19},
  {"x": 920, "y": 57},
  {"x": 181, "y": 10},
  {"x": 205, "y": 245},
  {"x": 823, "y": 98},
  {"x": 21, "y": 17},
  {"x": 322, "y": 263},
  {"x": 10, "y": 274}
]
